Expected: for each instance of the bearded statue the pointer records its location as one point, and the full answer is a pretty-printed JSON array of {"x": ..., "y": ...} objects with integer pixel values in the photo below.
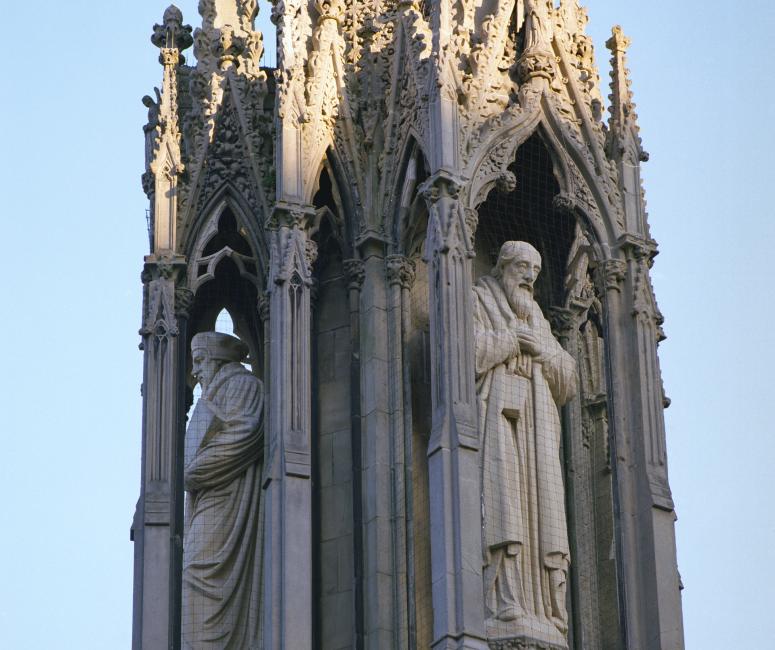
[{"x": 522, "y": 376}]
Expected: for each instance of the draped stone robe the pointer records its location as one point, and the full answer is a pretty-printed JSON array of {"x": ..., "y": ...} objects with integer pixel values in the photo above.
[
  {"x": 522, "y": 485},
  {"x": 221, "y": 548}
]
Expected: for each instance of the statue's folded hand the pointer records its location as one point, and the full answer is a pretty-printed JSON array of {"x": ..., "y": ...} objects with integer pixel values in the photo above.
[{"x": 528, "y": 342}]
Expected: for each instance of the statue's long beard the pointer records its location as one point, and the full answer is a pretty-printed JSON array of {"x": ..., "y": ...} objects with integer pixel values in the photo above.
[{"x": 522, "y": 303}]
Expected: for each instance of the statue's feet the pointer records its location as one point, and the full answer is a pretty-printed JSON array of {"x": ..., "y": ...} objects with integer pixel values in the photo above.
[{"x": 510, "y": 613}]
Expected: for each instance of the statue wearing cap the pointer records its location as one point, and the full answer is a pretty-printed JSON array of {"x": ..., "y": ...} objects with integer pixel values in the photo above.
[
  {"x": 522, "y": 376},
  {"x": 222, "y": 477}
]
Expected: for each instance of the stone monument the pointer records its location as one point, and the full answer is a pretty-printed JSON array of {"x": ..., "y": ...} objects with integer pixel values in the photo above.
[
  {"x": 523, "y": 376},
  {"x": 453, "y": 449},
  {"x": 222, "y": 478}
]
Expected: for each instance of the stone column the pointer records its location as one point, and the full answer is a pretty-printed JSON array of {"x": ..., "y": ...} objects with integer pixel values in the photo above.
[
  {"x": 354, "y": 269},
  {"x": 660, "y": 582},
  {"x": 579, "y": 481},
  {"x": 649, "y": 597},
  {"x": 565, "y": 328},
  {"x": 376, "y": 477},
  {"x": 158, "y": 526},
  {"x": 453, "y": 453},
  {"x": 609, "y": 277},
  {"x": 400, "y": 275},
  {"x": 287, "y": 488}
]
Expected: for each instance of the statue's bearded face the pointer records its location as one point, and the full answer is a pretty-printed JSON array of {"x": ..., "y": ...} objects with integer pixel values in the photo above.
[
  {"x": 518, "y": 279},
  {"x": 521, "y": 272},
  {"x": 204, "y": 367}
]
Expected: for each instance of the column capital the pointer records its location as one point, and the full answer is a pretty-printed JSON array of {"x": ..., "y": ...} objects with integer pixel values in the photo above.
[
  {"x": 184, "y": 300},
  {"x": 451, "y": 226},
  {"x": 163, "y": 267},
  {"x": 293, "y": 253},
  {"x": 290, "y": 215},
  {"x": 443, "y": 184},
  {"x": 563, "y": 321},
  {"x": 355, "y": 271},
  {"x": 610, "y": 275},
  {"x": 638, "y": 248},
  {"x": 401, "y": 271},
  {"x": 163, "y": 303}
]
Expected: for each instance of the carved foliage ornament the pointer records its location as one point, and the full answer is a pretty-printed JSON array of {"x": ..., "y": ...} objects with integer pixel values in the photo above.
[
  {"x": 184, "y": 300},
  {"x": 400, "y": 271},
  {"x": 227, "y": 160},
  {"x": 611, "y": 274},
  {"x": 263, "y": 304},
  {"x": 355, "y": 271}
]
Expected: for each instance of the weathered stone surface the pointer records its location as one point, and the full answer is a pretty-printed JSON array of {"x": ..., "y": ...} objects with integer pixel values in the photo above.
[
  {"x": 523, "y": 376},
  {"x": 340, "y": 207},
  {"x": 222, "y": 477}
]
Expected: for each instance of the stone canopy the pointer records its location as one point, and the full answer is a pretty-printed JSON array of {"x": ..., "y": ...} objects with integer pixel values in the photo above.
[{"x": 428, "y": 439}]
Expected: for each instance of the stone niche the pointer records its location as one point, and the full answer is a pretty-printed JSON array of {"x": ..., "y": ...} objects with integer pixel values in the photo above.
[{"x": 434, "y": 419}]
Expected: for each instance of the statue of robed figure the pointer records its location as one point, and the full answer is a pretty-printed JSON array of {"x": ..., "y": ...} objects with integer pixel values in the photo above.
[
  {"x": 222, "y": 477},
  {"x": 522, "y": 376}
]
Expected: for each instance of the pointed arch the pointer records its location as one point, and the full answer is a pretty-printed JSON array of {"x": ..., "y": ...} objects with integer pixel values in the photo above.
[
  {"x": 205, "y": 227},
  {"x": 580, "y": 186},
  {"x": 227, "y": 262},
  {"x": 407, "y": 215},
  {"x": 332, "y": 196}
]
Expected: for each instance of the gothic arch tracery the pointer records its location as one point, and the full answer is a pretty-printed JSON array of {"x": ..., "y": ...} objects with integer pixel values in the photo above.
[{"x": 340, "y": 207}]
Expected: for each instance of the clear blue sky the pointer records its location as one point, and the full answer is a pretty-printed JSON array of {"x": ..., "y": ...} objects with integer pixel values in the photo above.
[{"x": 72, "y": 227}]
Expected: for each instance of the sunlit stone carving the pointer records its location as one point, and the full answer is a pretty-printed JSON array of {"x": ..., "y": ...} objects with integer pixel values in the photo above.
[
  {"x": 339, "y": 196},
  {"x": 223, "y": 451},
  {"x": 523, "y": 375}
]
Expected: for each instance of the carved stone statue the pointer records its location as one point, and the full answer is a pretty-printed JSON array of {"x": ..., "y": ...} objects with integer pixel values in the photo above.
[
  {"x": 522, "y": 376},
  {"x": 221, "y": 546},
  {"x": 153, "y": 121}
]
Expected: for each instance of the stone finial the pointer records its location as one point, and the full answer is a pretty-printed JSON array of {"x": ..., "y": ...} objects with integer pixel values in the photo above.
[
  {"x": 618, "y": 41},
  {"x": 622, "y": 107},
  {"x": 172, "y": 33}
]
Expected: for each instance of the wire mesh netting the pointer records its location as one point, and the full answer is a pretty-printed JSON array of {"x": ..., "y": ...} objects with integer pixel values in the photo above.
[
  {"x": 523, "y": 377},
  {"x": 334, "y": 502},
  {"x": 223, "y": 450}
]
